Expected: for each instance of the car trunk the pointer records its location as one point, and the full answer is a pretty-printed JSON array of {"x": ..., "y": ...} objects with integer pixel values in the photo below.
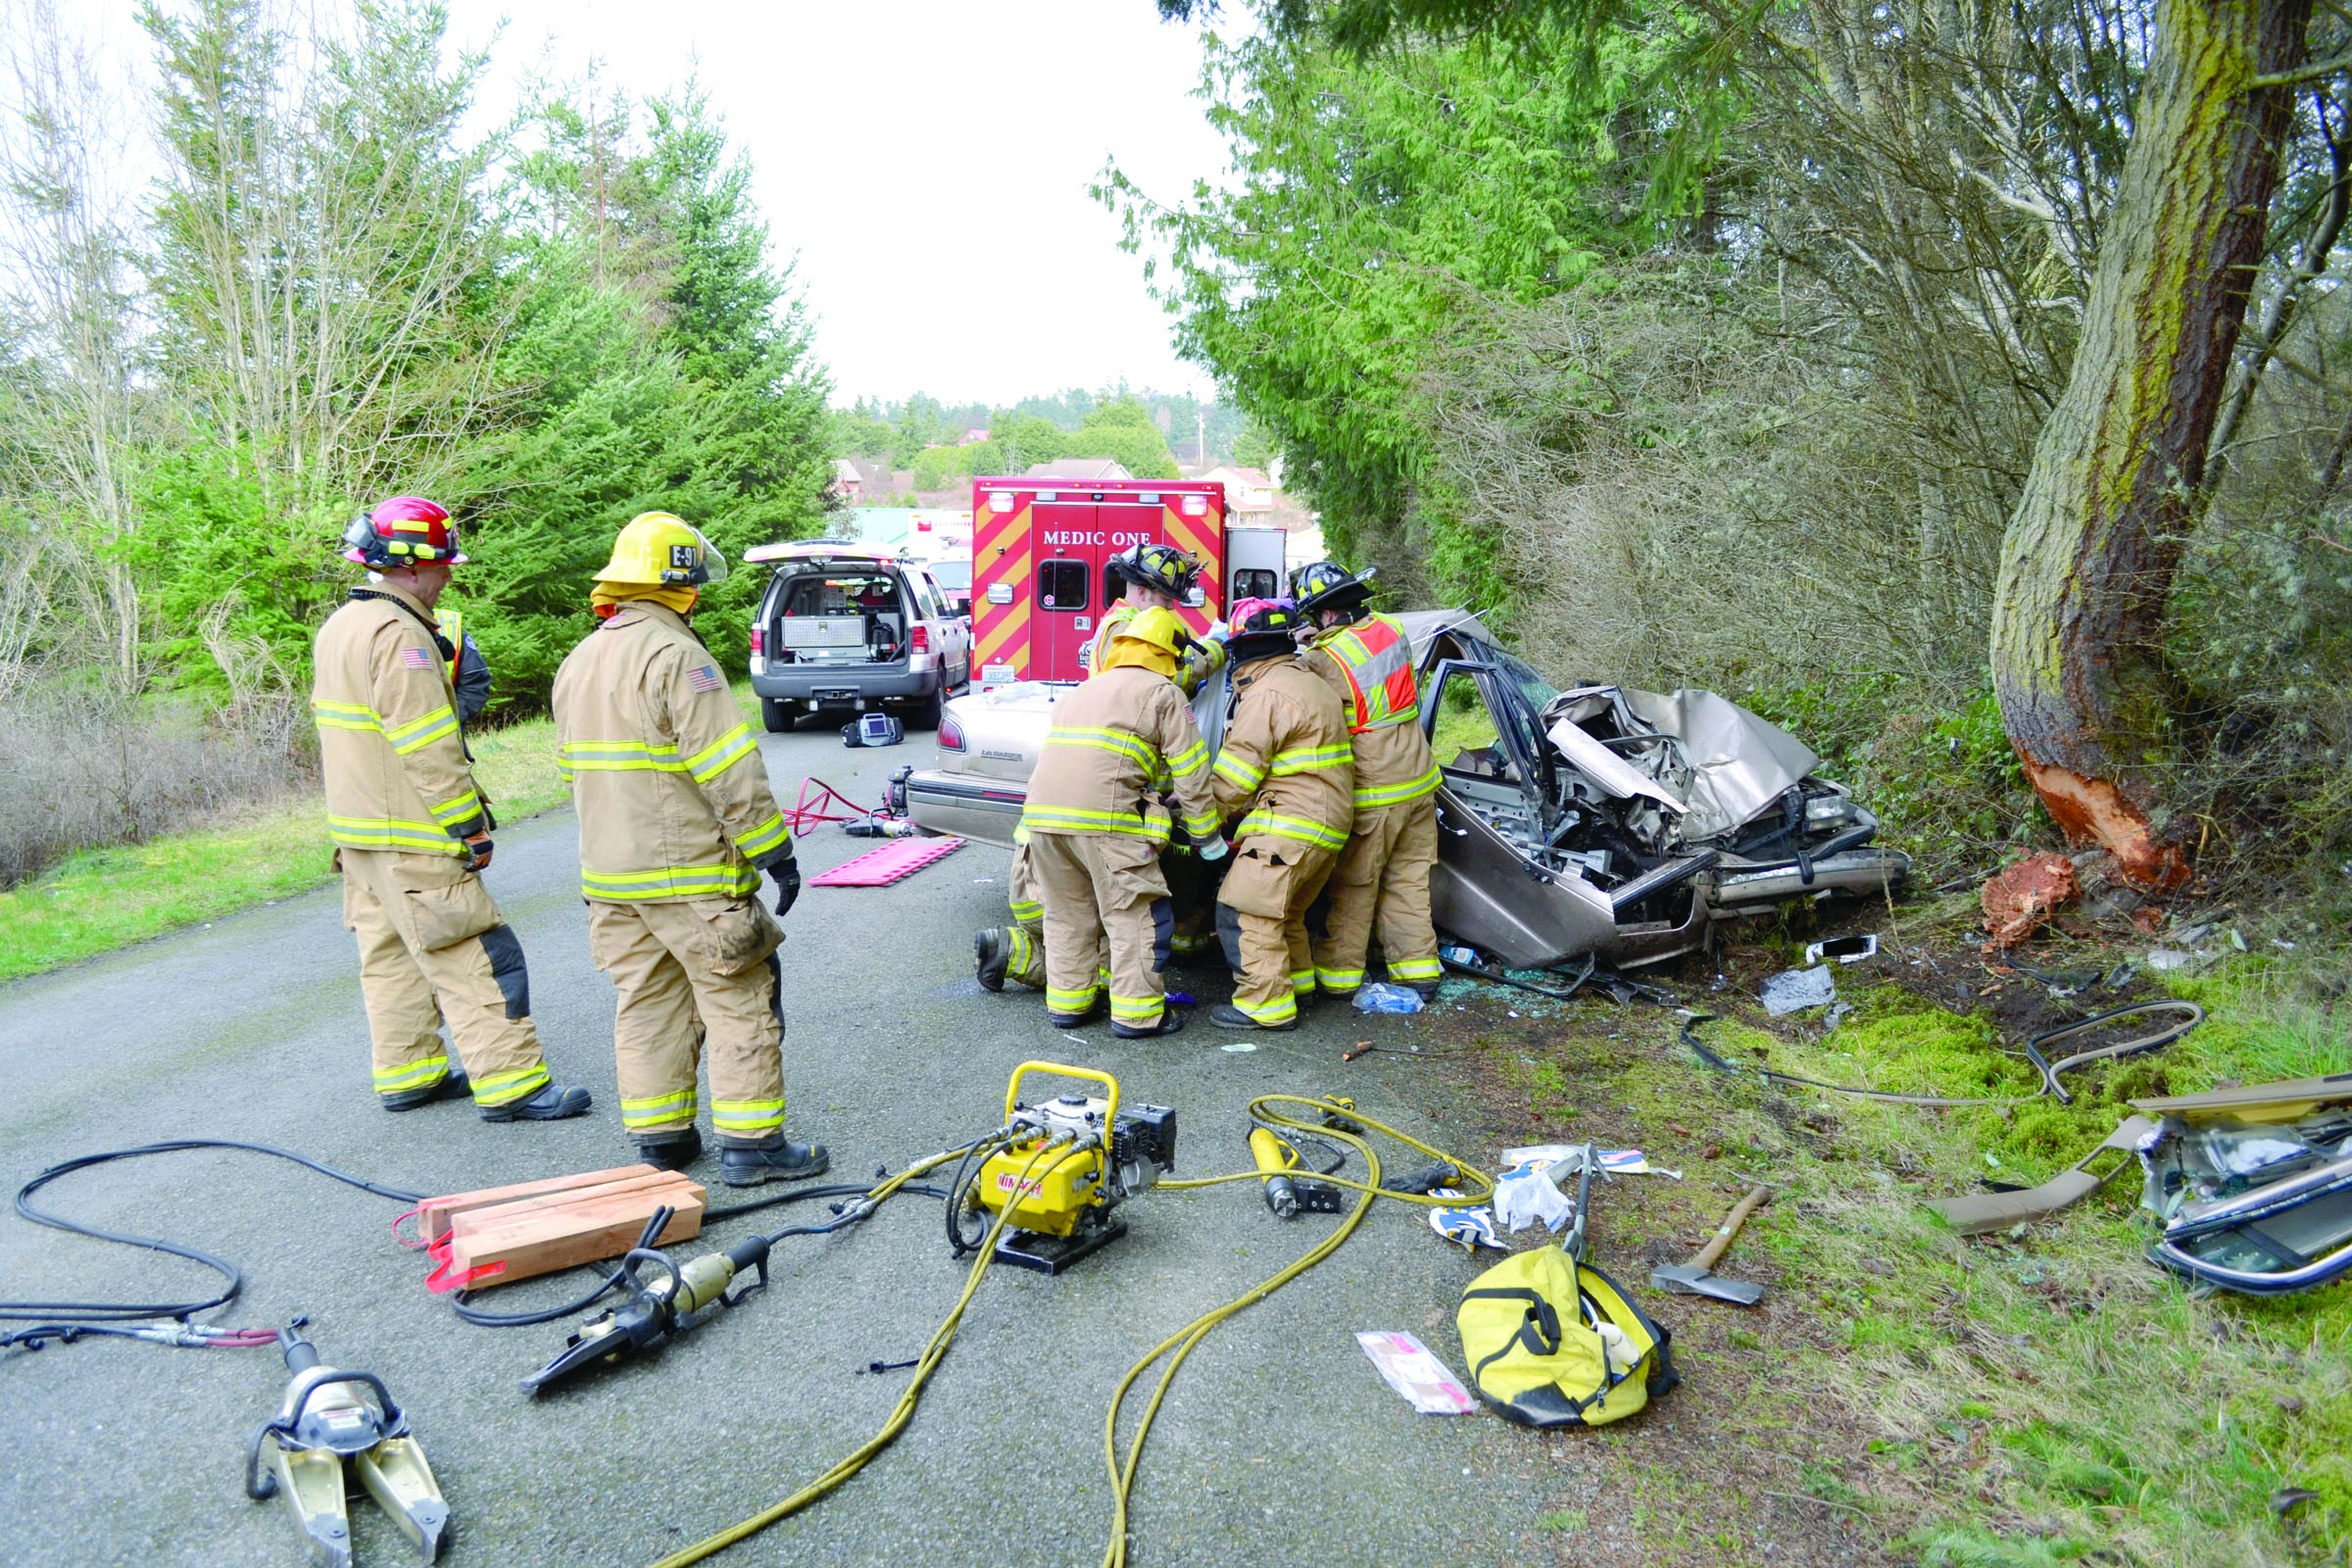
[{"x": 838, "y": 616}]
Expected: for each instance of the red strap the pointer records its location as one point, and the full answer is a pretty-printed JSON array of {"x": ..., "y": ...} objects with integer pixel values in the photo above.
[
  {"x": 445, "y": 1277},
  {"x": 807, "y": 812}
]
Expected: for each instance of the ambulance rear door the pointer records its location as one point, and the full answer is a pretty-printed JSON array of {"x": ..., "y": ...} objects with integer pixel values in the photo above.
[{"x": 1066, "y": 553}]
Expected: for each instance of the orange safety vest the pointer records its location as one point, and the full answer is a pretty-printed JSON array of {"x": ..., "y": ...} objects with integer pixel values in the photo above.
[{"x": 1377, "y": 657}]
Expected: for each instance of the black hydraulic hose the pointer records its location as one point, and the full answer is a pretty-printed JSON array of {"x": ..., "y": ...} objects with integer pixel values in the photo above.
[
  {"x": 92, "y": 1313},
  {"x": 616, "y": 1278}
]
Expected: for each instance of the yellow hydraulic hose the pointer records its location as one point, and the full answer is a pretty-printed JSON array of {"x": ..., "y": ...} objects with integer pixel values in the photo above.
[
  {"x": 932, "y": 1355},
  {"x": 1475, "y": 1187}
]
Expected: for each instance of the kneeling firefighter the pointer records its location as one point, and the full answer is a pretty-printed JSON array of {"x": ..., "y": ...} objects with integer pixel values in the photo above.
[
  {"x": 1158, "y": 577},
  {"x": 412, "y": 833},
  {"x": 1382, "y": 879},
  {"x": 1285, "y": 761},
  {"x": 677, "y": 825},
  {"x": 1096, "y": 826}
]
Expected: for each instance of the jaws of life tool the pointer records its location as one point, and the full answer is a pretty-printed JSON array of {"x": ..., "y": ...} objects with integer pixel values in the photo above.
[{"x": 324, "y": 1420}]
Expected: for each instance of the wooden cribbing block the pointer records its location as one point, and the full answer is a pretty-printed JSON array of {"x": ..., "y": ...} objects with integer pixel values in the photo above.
[
  {"x": 491, "y": 1216},
  {"x": 586, "y": 1231},
  {"x": 434, "y": 1213}
]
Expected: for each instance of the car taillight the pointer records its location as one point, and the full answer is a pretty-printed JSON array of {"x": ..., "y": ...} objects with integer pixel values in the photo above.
[
  {"x": 923, "y": 639},
  {"x": 950, "y": 735},
  {"x": 758, "y": 641}
]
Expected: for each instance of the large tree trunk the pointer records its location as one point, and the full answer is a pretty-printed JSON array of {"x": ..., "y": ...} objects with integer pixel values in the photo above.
[{"x": 2089, "y": 558}]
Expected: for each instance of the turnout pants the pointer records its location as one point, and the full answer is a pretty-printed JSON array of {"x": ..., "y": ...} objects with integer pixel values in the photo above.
[
  {"x": 1103, "y": 890},
  {"x": 694, "y": 974},
  {"x": 1382, "y": 881},
  {"x": 1261, "y": 920},
  {"x": 433, "y": 948},
  {"x": 1026, "y": 895}
]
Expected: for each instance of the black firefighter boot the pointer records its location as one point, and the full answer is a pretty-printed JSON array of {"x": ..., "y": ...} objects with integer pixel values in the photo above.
[
  {"x": 671, "y": 1150},
  {"x": 992, "y": 956},
  {"x": 773, "y": 1158},
  {"x": 453, "y": 1085},
  {"x": 553, "y": 1102}
]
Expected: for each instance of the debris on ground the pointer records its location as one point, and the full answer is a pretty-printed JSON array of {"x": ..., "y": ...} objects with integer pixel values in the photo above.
[
  {"x": 1795, "y": 989},
  {"x": 1413, "y": 1370},
  {"x": 2021, "y": 899},
  {"x": 1380, "y": 997}
]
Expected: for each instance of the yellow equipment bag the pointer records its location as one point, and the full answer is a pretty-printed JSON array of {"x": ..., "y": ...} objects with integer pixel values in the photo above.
[{"x": 1554, "y": 1343}]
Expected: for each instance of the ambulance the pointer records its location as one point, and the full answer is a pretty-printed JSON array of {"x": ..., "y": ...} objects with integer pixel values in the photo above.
[{"x": 1040, "y": 552}]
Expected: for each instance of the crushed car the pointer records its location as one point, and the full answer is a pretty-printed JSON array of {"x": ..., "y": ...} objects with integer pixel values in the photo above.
[{"x": 1599, "y": 820}]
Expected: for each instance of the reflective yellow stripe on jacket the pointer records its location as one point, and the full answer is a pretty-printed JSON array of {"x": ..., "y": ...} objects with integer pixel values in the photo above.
[
  {"x": 391, "y": 833},
  {"x": 1370, "y": 796},
  {"x": 409, "y": 739},
  {"x": 1038, "y": 819},
  {"x": 1275, "y": 824},
  {"x": 670, "y": 882}
]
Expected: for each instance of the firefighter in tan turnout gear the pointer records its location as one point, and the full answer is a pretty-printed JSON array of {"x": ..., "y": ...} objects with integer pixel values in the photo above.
[
  {"x": 412, "y": 832},
  {"x": 1158, "y": 577},
  {"x": 677, "y": 825},
  {"x": 1287, "y": 763},
  {"x": 1095, "y": 825},
  {"x": 1382, "y": 879}
]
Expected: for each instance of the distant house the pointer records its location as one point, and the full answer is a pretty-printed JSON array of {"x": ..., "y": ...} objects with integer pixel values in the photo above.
[
  {"x": 972, "y": 439},
  {"x": 848, "y": 484},
  {"x": 1249, "y": 492},
  {"x": 1079, "y": 471}
]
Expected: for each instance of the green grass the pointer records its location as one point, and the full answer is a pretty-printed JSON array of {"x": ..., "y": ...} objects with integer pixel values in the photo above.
[
  {"x": 101, "y": 900},
  {"x": 2075, "y": 1400}
]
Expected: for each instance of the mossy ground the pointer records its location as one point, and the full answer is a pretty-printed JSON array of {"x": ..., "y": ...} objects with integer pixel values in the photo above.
[{"x": 1904, "y": 1394}]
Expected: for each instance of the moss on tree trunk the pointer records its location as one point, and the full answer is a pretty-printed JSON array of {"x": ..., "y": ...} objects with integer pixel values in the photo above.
[{"x": 2090, "y": 556}]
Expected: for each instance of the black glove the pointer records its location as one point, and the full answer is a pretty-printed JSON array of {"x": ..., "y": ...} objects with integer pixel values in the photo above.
[
  {"x": 477, "y": 852},
  {"x": 787, "y": 878}
]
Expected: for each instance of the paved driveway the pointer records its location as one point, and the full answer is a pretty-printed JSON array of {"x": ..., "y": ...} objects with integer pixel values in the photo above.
[{"x": 1279, "y": 1444}]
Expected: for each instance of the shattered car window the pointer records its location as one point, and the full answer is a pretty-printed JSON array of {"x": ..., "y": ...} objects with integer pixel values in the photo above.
[{"x": 1466, "y": 733}]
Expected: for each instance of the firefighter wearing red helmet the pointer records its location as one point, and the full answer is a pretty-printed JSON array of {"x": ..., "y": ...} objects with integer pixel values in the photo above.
[
  {"x": 1285, "y": 766},
  {"x": 412, "y": 833},
  {"x": 1382, "y": 879}
]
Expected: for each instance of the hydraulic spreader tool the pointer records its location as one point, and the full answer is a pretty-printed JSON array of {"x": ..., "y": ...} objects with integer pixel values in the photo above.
[
  {"x": 1043, "y": 1190},
  {"x": 329, "y": 1435}
]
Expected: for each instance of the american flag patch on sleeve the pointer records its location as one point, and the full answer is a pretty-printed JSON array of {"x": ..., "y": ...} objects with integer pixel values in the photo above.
[
  {"x": 416, "y": 659},
  {"x": 704, "y": 678}
]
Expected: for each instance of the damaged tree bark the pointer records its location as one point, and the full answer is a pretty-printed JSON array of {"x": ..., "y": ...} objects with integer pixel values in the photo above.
[{"x": 2087, "y": 562}]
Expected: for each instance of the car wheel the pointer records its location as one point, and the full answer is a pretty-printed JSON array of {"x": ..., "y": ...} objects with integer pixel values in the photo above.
[
  {"x": 775, "y": 715},
  {"x": 924, "y": 714}
]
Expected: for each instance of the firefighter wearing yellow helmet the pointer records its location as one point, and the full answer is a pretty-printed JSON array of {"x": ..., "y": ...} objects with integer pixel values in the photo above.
[
  {"x": 1382, "y": 879},
  {"x": 677, "y": 826},
  {"x": 412, "y": 831},
  {"x": 1094, "y": 824}
]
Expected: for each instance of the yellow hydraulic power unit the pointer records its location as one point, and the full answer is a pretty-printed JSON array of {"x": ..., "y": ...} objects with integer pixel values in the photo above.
[{"x": 1061, "y": 1167}]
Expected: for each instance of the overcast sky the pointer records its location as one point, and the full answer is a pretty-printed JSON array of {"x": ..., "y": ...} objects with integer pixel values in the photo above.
[{"x": 928, "y": 162}]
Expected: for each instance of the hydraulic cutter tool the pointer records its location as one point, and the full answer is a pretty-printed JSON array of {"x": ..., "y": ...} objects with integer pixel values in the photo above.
[
  {"x": 655, "y": 1311},
  {"x": 1061, "y": 1167},
  {"x": 327, "y": 1418}
]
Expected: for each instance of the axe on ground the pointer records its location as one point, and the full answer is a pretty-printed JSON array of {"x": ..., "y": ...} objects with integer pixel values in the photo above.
[{"x": 1697, "y": 1277}]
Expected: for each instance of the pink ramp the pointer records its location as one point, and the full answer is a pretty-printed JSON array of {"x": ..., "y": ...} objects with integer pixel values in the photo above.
[{"x": 878, "y": 868}]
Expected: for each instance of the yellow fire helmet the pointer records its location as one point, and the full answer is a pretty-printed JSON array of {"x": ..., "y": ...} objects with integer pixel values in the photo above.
[
  {"x": 1161, "y": 628},
  {"x": 664, "y": 550}
]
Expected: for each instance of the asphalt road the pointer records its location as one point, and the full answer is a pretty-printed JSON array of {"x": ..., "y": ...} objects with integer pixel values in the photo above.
[{"x": 1279, "y": 1444}]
